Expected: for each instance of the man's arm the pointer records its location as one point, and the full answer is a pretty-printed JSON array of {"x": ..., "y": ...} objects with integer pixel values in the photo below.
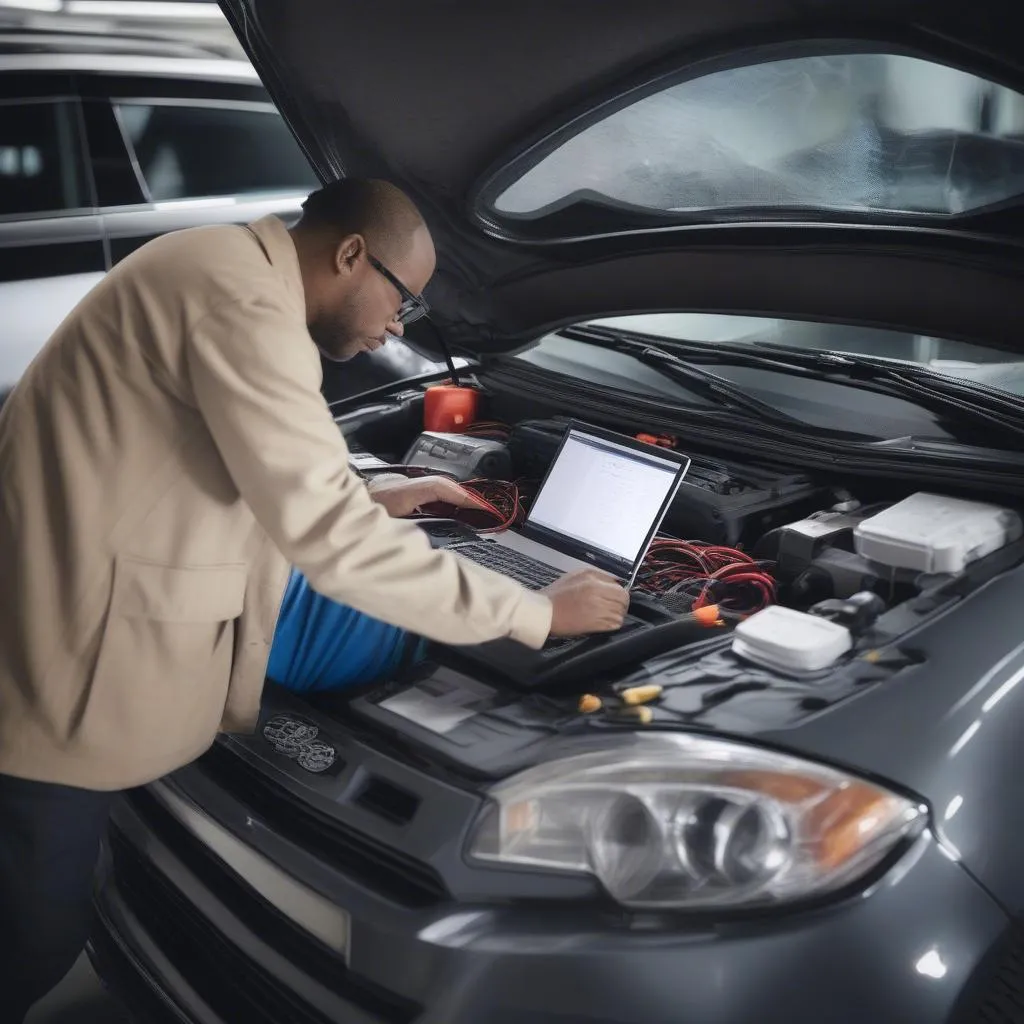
[{"x": 256, "y": 379}]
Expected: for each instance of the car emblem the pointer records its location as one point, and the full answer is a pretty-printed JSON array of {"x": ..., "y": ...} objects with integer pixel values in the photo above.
[{"x": 299, "y": 740}]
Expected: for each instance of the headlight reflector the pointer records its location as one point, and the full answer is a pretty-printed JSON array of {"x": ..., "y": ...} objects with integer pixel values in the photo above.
[{"x": 685, "y": 821}]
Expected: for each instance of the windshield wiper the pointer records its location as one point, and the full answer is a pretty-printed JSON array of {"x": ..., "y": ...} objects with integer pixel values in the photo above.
[
  {"x": 701, "y": 382},
  {"x": 966, "y": 401}
]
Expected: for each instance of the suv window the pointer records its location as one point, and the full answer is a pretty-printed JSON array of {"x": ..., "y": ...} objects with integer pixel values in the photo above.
[
  {"x": 850, "y": 133},
  {"x": 196, "y": 151},
  {"x": 41, "y": 166}
]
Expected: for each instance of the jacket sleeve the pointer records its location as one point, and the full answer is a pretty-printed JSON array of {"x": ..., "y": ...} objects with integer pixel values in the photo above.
[{"x": 255, "y": 377}]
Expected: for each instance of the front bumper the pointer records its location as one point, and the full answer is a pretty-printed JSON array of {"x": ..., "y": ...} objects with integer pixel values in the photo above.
[{"x": 182, "y": 938}]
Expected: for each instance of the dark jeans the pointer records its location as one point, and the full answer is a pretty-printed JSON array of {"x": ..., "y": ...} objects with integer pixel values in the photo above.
[{"x": 49, "y": 844}]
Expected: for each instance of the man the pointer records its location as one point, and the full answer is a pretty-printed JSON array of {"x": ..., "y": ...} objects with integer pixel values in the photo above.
[{"x": 164, "y": 460}]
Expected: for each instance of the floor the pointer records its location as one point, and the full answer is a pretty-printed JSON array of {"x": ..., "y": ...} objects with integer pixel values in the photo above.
[{"x": 79, "y": 999}]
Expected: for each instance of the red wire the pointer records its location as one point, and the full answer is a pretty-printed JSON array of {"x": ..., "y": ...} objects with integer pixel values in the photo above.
[
  {"x": 503, "y": 500},
  {"x": 489, "y": 428},
  {"x": 727, "y": 573}
]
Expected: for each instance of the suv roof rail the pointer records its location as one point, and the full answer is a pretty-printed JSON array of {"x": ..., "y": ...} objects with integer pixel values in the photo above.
[{"x": 116, "y": 33}]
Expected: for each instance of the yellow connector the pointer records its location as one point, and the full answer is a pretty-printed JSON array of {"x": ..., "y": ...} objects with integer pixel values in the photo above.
[{"x": 640, "y": 694}]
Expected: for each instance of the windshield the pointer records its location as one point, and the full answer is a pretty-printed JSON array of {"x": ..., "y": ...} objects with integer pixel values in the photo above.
[{"x": 956, "y": 359}]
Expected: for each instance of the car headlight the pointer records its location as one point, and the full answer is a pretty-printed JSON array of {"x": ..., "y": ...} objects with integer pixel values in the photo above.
[{"x": 683, "y": 821}]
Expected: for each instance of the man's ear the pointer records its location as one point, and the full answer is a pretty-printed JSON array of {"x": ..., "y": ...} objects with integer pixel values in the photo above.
[{"x": 350, "y": 250}]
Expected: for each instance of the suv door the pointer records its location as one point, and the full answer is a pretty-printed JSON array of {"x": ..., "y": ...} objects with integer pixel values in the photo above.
[
  {"x": 51, "y": 248},
  {"x": 171, "y": 154},
  {"x": 174, "y": 155}
]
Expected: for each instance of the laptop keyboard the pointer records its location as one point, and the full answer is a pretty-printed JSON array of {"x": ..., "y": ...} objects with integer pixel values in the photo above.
[{"x": 523, "y": 569}]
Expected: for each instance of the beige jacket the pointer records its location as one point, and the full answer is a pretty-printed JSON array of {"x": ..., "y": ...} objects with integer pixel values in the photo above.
[{"x": 163, "y": 460}]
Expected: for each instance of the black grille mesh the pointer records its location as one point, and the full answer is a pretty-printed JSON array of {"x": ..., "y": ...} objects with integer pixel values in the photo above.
[
  {"x": 387, "y": 871},
  {"x": 223, "y": 976}
]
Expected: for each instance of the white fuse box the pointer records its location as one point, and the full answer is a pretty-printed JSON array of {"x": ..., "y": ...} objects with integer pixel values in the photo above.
[
  {"x": 791, "y": 641},
  {"x": 934, "y": 534}
]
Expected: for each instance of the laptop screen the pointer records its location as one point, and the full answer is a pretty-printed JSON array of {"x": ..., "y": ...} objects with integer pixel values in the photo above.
[{"x": 605, "y": 496}]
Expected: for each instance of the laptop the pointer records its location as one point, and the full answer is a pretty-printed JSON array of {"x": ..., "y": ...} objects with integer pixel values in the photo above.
[{"x": 600, "y": 505}]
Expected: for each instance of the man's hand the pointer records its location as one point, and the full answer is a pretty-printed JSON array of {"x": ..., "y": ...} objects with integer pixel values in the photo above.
[
  {"x": 586, "y": 601},
  {"x": 403, "y": 497}
]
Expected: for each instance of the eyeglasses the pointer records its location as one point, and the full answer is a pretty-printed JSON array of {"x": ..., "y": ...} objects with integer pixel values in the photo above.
[{"x": 413, "y": 307}]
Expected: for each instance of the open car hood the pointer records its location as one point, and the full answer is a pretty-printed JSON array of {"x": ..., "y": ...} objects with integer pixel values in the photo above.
[{"x": 438, "y": 95}]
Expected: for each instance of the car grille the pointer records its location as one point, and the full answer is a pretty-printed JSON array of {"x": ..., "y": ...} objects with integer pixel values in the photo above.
[
  {"x": 389, "y": 872},
  {"x": 232, "y": 985}
]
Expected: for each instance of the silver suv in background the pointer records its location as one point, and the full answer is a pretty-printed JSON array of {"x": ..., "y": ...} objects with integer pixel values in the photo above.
[{"x": 108, "y": 140}]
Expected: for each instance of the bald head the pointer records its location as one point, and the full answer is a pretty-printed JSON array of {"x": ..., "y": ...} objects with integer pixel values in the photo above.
[
  {"x": 346, "y": 227},
  {"x": 383, "y": 214}
]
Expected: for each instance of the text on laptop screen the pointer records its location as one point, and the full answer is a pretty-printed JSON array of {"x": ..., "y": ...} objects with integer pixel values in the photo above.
[{"x": 604, "y": 495}]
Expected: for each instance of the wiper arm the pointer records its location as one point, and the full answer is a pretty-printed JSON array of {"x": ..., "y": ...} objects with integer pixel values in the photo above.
[
  {"x": 966, "y": 401},
  {"x": 700, "y": 381}
]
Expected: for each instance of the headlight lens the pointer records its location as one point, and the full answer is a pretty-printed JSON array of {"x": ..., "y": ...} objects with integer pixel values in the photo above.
[{"x": 680, "y": 821}]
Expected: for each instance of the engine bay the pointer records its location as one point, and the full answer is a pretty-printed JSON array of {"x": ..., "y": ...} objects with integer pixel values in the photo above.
[{"x": 777, "y": 594}]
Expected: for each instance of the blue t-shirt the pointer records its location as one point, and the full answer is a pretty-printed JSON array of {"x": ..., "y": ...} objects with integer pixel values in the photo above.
[{"x": 322, "y": 645}]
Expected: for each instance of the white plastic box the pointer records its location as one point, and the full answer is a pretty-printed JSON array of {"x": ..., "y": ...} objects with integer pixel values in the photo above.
[
  {"x": 935, "y": 534},
  {"x": 791, "y": 641}
]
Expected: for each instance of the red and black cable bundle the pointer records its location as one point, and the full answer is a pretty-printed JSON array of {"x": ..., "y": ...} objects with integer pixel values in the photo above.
[
  {"x": 505, "y": 503},
  {"x": 710, "y": 573},
  {"x": 491, "y": 430}
]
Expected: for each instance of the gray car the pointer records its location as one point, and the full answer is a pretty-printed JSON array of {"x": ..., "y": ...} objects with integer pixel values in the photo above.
[
  {"x": 108, "y": 139},
  {"x": 106, "y": 142},
  {"x": 785, "y": 240}
]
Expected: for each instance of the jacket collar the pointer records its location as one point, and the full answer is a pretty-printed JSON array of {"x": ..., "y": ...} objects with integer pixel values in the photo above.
[{"x": 278, "y": 247}]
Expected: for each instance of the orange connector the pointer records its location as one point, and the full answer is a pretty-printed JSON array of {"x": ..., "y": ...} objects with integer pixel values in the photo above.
[
  {"x": 709, "y": 615},
  {"x": 661, "y": 440}
]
